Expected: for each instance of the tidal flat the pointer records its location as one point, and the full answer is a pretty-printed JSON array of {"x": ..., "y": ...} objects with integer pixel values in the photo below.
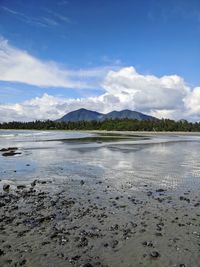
[{"x": 99, "y": 199}]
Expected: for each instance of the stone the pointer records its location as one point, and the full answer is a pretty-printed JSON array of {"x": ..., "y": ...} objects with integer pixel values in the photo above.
[
  {"x": 6, "y": 187},
  {"x": 160, "y": 190},
  {"x": 147, "y": 243},
  {"x": 154, "y": 254},
  {"x": 21, "y": 186},
  {"x": 34, "y": 183}
]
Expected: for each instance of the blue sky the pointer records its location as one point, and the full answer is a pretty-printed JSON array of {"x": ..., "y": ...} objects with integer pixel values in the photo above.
[{"x": 87, "y": 39}]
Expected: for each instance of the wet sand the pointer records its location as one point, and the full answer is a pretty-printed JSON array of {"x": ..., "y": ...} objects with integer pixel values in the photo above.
[
  {"x": 95, "y": 222},
  {"x": 80, "y": 223}
]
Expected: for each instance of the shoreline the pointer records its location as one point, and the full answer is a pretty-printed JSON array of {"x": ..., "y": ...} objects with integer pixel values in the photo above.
[
  {"x": 116, "y": 206},
  {"x": 106, "y": 131}
]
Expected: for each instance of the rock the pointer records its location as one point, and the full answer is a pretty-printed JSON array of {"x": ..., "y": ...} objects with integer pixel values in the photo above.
[
  {"x": 6, "y": 187},
  {"x": 184, "y": 198},
  {"x": 158, "y": 234},
  {"x": 82, "y": 182},
  {"x": 8, "y": 149},
  {"x": 154, "y": 254},
  {"x": 41, "y": 181},
  {"x": 75, "y": 258},
  {"x": 10, "y": 153},
  {"x": 181, "y": 265},
  {"x": 22, "y": 262},
  {"x": 114, "y": 227},
  {"x": 21, "y": 186},
  {"x": 160, "y": 190},
  {"x": 3, "y": 150},
  {"x": 1, "y": 252},
  {"x": 149, "y": 193},
  {"x": 34, "y": 183},
  {"x": 147, "y": 243}
]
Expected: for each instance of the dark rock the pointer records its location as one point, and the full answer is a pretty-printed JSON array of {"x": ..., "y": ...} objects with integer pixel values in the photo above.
[
  {"x": 1, "y": 252},
  {"x": 75, "y": 258},
  {"x": 82, "y": 182},
  {"x": 21, "y": 186},
  {"x": 147, "y": 243},
  {"x": 154, "y": 254},
  {"x": 41, "y": 182},
  {"x": 160, "y": 190},
  {"x": 6, "y": 187},
  {"x": 34, "y": 183},
  {"x": 158, "y": 234},
  {"x": 10, "y": 153},
  {"x": 149, "y": 193},
  {"x": 181, "y": 265},
  {"x": 8, "y": 149},
  {"x": 22, "y": 262},
  {"x": 184, "y": 198},
  {"x": 114, "y": 227}
]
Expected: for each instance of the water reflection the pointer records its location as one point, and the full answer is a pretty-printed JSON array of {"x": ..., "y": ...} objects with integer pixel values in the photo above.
[{"x": 174, "y": 165}]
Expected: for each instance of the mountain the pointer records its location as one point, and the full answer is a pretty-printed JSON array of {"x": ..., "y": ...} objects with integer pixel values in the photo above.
[
  {"x": 89, "y": 115},
  {"x": 81, "y": 115},
  {"x": 127, "y": 114}
]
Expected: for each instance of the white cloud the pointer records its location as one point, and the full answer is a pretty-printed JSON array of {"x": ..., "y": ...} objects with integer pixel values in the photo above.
[
  {"x": 125, "y": 88},
  {"x": 161, "y": 97},
  {"x": 192, "y": 104},
  {"x": 167, "y": 97},
  {"x": 19, "y": 66}
]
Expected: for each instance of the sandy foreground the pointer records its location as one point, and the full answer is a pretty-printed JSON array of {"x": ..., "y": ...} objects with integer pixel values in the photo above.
[
  {"x": 91, "y": 222},
  {"x": 84, "y": 224}
]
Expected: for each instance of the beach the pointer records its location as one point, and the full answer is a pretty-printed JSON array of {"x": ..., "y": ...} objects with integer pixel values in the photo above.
[{"x": 88, "y": 199}]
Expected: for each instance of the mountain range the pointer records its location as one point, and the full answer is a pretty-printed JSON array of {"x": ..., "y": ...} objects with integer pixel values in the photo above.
[{"x": 89, "y": 115}]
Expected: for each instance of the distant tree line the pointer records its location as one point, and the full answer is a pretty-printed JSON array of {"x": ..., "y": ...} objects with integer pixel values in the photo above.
[{"x": 109, "y": 125}]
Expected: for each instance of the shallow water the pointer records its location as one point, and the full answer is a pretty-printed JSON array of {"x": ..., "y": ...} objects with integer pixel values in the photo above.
[
  {"x": 167, "y": 161},
  {"x": 117, "y": 208}
]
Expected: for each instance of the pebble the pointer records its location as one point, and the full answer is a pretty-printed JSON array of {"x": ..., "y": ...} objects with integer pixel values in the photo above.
[
  {"x": 160, "y": 190},
  {"x": 6, "y": 187},
  {"x": 34, "y": 183},
  {"x": 147, "y": 243},
  {"x": 154, "y": 254},
  {"x": 1, "y": 252}
]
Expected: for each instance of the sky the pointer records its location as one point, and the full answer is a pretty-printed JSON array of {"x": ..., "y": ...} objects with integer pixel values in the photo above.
[{"x": 103, "y": 55}]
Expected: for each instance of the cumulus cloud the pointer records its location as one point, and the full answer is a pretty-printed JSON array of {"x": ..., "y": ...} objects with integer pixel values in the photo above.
[
  {"x": 192, "y": 104},
  {"x": 19, "y": 66},
  {"x": 163, "y": 97},
  {"x": 125, "y": 88}
]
